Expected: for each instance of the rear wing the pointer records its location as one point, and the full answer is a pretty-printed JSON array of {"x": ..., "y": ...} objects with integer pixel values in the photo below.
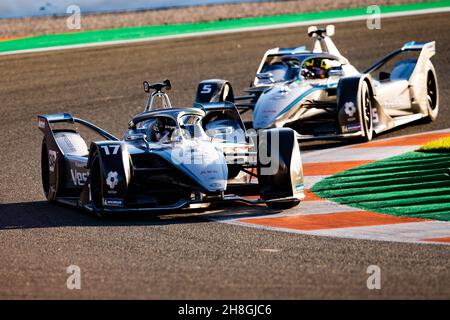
[
  {"x": 427, "y": 50},
  {"x": 45, "y": 121}
]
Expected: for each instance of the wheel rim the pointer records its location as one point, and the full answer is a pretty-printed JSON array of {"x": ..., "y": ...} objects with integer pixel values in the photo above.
[{"x": 431, "y": 91}]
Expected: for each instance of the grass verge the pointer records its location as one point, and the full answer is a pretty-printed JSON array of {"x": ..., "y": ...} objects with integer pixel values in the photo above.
[{"x": 415, "y": 184}]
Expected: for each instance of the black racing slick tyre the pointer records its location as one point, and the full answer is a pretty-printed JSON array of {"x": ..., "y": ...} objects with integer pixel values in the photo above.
[
  {"x": 432, "y": 94},
  {"x": 45, "y": 169},
  {"x": 283, "y": 205},
  {"x": 366, "y": 112}
]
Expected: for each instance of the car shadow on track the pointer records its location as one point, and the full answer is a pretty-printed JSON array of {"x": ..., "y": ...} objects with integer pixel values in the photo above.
[{"x": 42, "y": 214}]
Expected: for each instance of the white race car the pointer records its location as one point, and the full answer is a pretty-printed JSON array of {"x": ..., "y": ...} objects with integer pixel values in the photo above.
[{"x": 321, "y": 95}]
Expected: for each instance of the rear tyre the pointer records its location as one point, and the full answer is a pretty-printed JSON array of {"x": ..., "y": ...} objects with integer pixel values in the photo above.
[
  {"x": 432, "y": 95},
  {"x": 283, "y": 205},
  {"x": 366, "y": 113},
  {"x": 45, "y": 169}
]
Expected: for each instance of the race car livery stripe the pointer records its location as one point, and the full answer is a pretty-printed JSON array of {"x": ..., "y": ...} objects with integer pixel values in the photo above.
[{"x": 415, "y": 140}]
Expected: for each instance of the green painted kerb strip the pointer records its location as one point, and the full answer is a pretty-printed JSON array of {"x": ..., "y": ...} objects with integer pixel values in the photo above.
[
  {"x": 129, "y": 33},
  {"x": 416, "y": 184}
]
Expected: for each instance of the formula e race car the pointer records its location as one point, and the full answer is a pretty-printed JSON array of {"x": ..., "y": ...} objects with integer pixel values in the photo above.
[
  {"x": 170, "y": 158},
  {"x": 321, "y": 95}
]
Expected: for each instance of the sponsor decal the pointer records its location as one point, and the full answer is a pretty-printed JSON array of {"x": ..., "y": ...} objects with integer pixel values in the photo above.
[
  {"x": 215, "y": 185},
  {"x": 353, "y": 127},
  {"x": 281, "y": 96},
  {"x": 52, "y": 160},
  {"x": 112, "y": 179},
  {"x": 69, "y": 143},
  {"x": 41, "y": 124},
  {"x": 375, "y": 117},
  {"x": 284, "y": 89},
  {"x": 78, "y": 178},
  {"x": 80, "y": 164},
  {"x": 350, "y": 109},
  {"x": 209, "y": 172},
  {"x": 113, "y": 202},
  {"x": 299, "y": 187}
]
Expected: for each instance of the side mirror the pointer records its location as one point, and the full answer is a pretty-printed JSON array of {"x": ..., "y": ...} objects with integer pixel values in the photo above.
[
  {"x": 265, "y": 76},
  {"x": 146, "y": 86}
]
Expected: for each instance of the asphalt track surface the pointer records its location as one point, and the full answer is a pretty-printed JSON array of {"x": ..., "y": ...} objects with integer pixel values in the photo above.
[{"x": 186, "y": 256}]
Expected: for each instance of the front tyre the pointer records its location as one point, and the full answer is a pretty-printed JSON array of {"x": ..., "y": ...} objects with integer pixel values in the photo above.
[
  {"x": 432, "y": 94},
  {"x": 366, "y": 112},
  {"x": 45, "y": 169}
]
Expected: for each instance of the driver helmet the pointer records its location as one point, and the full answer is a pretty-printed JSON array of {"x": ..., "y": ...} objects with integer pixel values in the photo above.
[
  {"x": 159, "y": 128},
  {"x": 318, "y": 68}
]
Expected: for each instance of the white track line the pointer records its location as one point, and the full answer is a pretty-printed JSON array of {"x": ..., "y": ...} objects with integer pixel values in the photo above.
[
  {"x": 354, "y": 154},
  {"x": 309, "y": 181},
  {"x": 399, "y": 232},
  {"x": 228, "y": 31}
]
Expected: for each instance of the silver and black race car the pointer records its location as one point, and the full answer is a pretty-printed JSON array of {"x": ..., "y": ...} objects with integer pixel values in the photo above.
[
  {"x": 170, "y": 158},
  {"x": 321, "y": 95}
]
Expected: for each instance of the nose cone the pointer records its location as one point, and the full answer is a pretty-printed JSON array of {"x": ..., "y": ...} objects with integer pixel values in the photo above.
[
  {"x": 272, "y": 103},
  {"x": 203, "y": 163}
]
